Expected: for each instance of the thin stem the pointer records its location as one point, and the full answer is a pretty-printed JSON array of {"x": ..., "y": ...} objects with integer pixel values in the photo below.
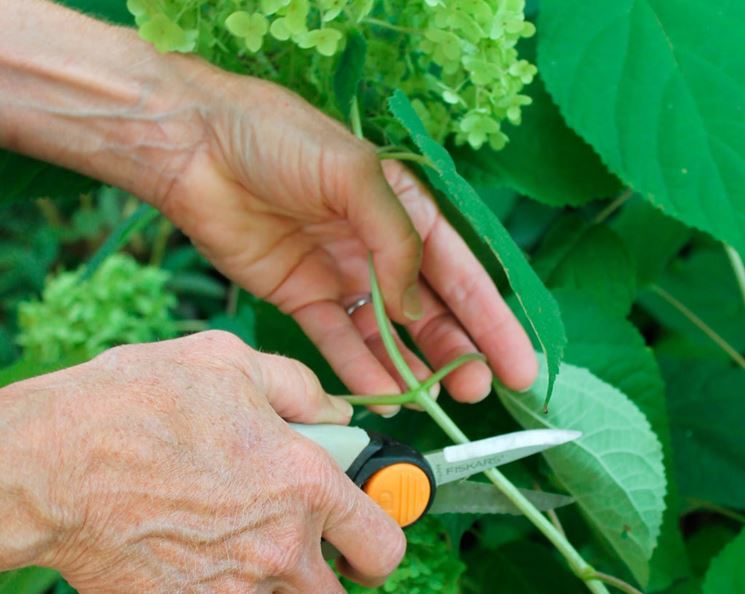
[
  {"x": 421, "y": 397},
  {"x": 385, "y": 332},
  {"x": 701, "y": 325},
  {"x": 191, "y": 325},
  {"x": 231, "y": 306},
  {"x": 377, "y": 399},
  {"x": 737, "y": 267},
  {"x": 616, "y": 582},
  {"x": 717, "y": 509},
  {"x": 575, "y": 560},
  {"x": 448, "y": 368},
  {"x": 613, "y": 206},
  {"x": 390, "y": 26},
  {"x": 408, "y": 156},
  {"x": 161, "y": 242},
  {"x": 355, "y": 120}
]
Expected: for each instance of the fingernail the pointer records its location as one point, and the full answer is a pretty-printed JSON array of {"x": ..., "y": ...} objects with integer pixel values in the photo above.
[
  {"x": 413, "y": 303},
  {"x": 394, "y": 410},
  {"x": 345, "y": 409}
]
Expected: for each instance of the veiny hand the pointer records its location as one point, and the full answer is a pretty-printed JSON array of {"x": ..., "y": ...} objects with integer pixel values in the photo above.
[
  {"x": 288, "y": 203},
  {"x": 169, "y": 471},
  {"x": 282, "y": 199}
]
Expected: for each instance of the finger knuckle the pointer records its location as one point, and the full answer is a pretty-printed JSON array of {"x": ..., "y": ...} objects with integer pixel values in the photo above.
[{"x": 219, "y": 341}]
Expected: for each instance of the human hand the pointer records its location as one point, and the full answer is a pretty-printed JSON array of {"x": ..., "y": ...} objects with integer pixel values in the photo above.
[
  {"x": 288, "y": 203},
  {"x": 281, "y": 198},
  {"x": 167, "y": 470}
]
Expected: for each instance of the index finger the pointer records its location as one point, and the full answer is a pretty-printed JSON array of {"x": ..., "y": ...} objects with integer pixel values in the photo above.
[{"x": 371, "y": 542}]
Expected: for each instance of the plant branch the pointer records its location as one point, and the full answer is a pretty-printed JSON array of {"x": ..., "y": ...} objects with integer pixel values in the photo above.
[
  {"x": 701, "y": 325},
  {"x": 616, "y": 582},
  {"x": 737, "y": 267},
  {"x": 408, "y": 156},
  {"x": 421, "y": 397},
  {"x": 613, "y": 206},
  {"x": 717, "y": 509},
  {"x": 390, "y": 26}
]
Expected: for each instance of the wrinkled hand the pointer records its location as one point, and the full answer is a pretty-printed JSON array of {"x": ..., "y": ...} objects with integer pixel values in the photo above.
[
  {"x": 288, "y": 203},
  {"x": 173, "y": 473}
]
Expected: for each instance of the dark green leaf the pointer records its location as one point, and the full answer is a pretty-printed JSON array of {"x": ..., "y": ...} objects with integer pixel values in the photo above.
[
  {"x": 31, "y": 580},
  {"x": 520, "y": 567},
  {"x": 539, "y": 305},
  {"x": 651, "y": 238},
  {"x": 544, "y": 158},
  {"x": 349, "y": 71},
  {"x": 25, "y": 178},
  {"x": 114, "y": 11},
  {"x": 705, "y": 283},
  {"x": 707, "y": 542},
  {"x": 707, "y": 408},
  {"x": 726, "y": 573},
  {"x": 657, "y": 87},
  {"x": 242, "y": 324},
  {"x": 140, "y": 218},
  {"x": 597, "y": 262}
]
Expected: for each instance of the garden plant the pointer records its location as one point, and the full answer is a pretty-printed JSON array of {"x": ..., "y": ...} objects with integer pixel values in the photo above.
[{"x": 591, "y": 153}]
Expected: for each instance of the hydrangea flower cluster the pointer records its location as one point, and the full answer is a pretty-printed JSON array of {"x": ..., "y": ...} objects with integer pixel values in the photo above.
[
  {"x": 456, "y": 59},
  {"x": 123, "y": 302}
]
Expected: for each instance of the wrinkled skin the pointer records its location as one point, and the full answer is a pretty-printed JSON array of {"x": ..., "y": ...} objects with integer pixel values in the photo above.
[{"x": 191, "y": 482}]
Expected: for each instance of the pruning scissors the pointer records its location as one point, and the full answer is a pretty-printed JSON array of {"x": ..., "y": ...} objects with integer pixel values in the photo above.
[{"x": 407, "y": 484}]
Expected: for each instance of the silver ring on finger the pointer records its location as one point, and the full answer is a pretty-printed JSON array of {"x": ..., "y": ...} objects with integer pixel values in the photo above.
[{"x": 360, "y": 302}]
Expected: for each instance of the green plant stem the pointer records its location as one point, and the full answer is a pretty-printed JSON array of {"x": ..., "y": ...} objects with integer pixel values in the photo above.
[
  {"x": 390, "y": 26},
  {"x": 409, "y": 397},
  {"x": 191, "y": 325},
  {"x": 422, "y": 398},
  {"x": 718, "y": 509},
  {"x": 231, "y": 305},
  {"x": 701, "y": 325},
  {"x": 613, "y": 206},
  {"x": 737, "y": 267},
  {"x": 579, "y": 566},
  {"x": 161, "y": 242},
  {"x": 386, "y": 334},
  {"x": 616, "y": 583},
  {"x": 408, "y": 156},
  {"x": 355, "y": 120}
]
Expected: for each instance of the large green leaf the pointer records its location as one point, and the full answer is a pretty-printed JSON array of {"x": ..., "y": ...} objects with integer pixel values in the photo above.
[
  {"x": 613, "y": 349},
  {"x": 707, "y": 407},
  {"x": 598, "y": 262},
  {"x": 651, "y": 237},
  {"x": 726, "y": 573},
  {"x": 349, "y": 71},
  {"x": 657, "y": 87},
  {"x": 538, "y": 304},
  {"x": 544, "y": 158},
  {"x": 615, "y": 470},
  {"x": 31, "y": 580},
  {"x": 114, "y": 11},
  {"x": 25, "y": 178},
  {"x": 705, "y": 284}
]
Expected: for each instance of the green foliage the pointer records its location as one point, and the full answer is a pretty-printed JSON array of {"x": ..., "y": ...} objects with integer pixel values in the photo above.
[
  {"x": 31, "y": 580},
  {"x": 706, "y": 404},
  {"x": 123, "y": 302},
  {"x": 430, "y": 565},
  {"x": 726, "y": 574},
  {"x": 457, "y": 60},
  {"x": 536, "y": 301},
  {"x": 657, "y": 87},
  {"x": 614, "y": 470}
]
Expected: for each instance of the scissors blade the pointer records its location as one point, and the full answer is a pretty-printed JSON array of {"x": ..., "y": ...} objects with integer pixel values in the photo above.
[
  {"x": 461, "y": 461},
  {"x": 470, "y": 497}
]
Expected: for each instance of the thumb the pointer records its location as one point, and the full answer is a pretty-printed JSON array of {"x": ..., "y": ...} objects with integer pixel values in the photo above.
[{"x": 295, "y": 393}]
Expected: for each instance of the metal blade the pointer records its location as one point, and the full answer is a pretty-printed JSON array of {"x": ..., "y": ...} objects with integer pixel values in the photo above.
[
  {"x": 470, "y": 497},
  {"x": 461, "y": 461}
]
